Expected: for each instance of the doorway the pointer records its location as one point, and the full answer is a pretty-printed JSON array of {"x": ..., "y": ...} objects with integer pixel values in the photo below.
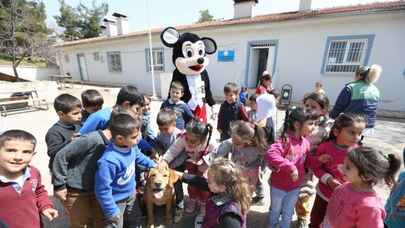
[
  {"x": 81, "y": 59},
  {"x": 262, "y": 55}
]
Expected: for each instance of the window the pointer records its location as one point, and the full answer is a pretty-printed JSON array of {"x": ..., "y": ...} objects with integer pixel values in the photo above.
[
  {"x": 345, "y": 54},
  {"x": 114, "y": 61},
  {"x": 158, "y": 59},
  {"x": 67, "y": 58},
  {"x": 96, "y": 56}
]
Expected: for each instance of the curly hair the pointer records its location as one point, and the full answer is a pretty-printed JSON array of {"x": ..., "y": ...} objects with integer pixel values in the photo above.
[{"x": 227, "y": 173}]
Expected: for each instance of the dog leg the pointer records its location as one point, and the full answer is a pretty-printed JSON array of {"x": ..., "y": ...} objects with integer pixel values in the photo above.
[
  {"x": 169, "y": 214},
  {"x": 151, "y": 217}
]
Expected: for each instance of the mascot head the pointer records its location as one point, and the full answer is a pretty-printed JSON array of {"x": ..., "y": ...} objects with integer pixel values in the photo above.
[{"x": 189, "y": 50}]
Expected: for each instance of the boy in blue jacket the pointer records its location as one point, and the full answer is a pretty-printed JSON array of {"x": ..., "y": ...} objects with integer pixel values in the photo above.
[{"x": 115, "y": 175}]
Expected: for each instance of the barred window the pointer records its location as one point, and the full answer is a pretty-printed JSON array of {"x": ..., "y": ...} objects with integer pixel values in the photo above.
[
  {"x": 114, "y": 61},
  {"x": 346, "y": 55},
  {"x": 158, "y": 59}
]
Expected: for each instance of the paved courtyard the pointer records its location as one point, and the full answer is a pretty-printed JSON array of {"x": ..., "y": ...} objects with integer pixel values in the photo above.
[{"x": 389, "y": 137}]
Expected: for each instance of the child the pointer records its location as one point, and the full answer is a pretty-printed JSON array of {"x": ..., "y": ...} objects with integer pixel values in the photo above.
[
  {"x": 252, "y": 113},
  {"x": 243, "y": 95},
  {"x": 127, "y": 98},
  {"x": 73, "y": 172},
  {"x": 318, "y": 89},
  {"x": 61, "y": 133},
  {"x": 345, "y": 135},
  {"x": 360, "y": 96},
  {"x": 22, "y": 196},
  {"x": 168, "y": 133},
  {"x": 265, "y": 85},
  {"x": 230, "y": 110},
  {"x": 318, "y": 103},
  {"x": 246, "y": 148},
  {"x": 186, "y": 154},
  {"x": 395, "y": 205},
  {"x": 355, "y": 203},
  {"x": 115, "y": 175},
  {"x": 230, "y": 197},
  {"x": 148, "y": 133},
  {"x": 286, "y": 158},
  {"x": 183, "y": 112},
  {"x": 92, "y": 101}
]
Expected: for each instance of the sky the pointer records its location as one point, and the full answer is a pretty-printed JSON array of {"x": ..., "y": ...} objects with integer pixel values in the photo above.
[{"x": 165, "y": 13}]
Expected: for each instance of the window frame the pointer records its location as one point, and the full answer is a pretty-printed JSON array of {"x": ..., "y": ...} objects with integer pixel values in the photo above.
[
  {"x": 157, "y": 67},
  {"x": 112, "y": 60},
  {"x": 350, "y": 39}
]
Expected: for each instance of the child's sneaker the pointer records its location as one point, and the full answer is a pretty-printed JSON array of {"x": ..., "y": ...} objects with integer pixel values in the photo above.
[
  {"x": 198, "y": 221},
  {"x": 178, "y": 214},
  {"x": 190, "y": 206}
]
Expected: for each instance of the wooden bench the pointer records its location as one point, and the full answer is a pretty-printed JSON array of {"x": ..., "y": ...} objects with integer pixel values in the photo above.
[
  {"x": 22, "y": 101},
  {"x": 62, "y": 80}
]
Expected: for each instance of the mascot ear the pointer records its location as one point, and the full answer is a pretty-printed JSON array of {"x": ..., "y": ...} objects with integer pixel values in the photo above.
[
  {"x": 210, "y": 45},
  {"x": 169, "y": 36}
]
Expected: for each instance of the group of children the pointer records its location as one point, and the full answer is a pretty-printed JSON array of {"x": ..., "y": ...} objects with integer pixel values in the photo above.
[{"x": 98, "y": 156}]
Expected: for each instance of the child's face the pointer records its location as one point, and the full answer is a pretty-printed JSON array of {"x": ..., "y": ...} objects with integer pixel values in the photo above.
[
  {"x": 253, "y": 105},
  {"x": 230, "y": 97},
  {"x": 214, "y": 187},
  {"x": 307, "y": 127},
  {"x": 266, "y": 82},
  {"x": 167, "y": 128},
  {"x": 15, "y": 156},
  {"x": 192, "y": 141},
  {"x": 72, "y": 117},
  {"x": 350, "y": 172},
  {"x": 129, "y": 140},
  {"x": 175, "y": 94},
  {"x": 146, "y": 106},
  {"x": 314, "y": 106},
  {"x": 349, "y": 136},
  {"x": 92, "y": 109}
]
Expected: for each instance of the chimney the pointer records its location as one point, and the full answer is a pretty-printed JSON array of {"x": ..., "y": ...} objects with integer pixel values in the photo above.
[
  {"x": 122, "y": 24},
  {"x": 103, "y": 30},
  {"x": 305, "y": 5},
  {"x": 244, "y": 8},
  {"x": 111, "y": 27}
]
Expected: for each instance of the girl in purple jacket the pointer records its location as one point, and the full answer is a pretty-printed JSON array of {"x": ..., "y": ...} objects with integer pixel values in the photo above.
[{"x": 286, "y": 158}]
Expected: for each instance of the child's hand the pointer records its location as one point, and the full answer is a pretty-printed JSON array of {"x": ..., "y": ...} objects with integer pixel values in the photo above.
[
  {"x": 76, "y": 135},
  {"x": 294, "y": 175},
  {"x": 324, "y": 158},
  {"x": 333, "y": 183},
  {"x": 61, "y": 194},
  {"x": 50, "y": 213}
]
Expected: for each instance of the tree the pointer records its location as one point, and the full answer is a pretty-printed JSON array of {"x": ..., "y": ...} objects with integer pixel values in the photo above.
[
  {"x": 205, "y": 16},
  {"x": 82, "y": 21},
  {"x": 23, "y": 31},
  {"x": 68, "y": 19}
]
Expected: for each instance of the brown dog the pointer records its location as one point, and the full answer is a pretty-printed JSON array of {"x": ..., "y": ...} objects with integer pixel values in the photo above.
[{"x": 160, "y": 191}]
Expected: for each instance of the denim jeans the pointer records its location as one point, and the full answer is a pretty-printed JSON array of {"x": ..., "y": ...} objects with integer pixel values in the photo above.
[{"x": 283, "y": 203}]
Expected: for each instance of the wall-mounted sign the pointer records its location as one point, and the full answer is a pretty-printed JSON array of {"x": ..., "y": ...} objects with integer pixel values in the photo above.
[{"x": 226, "y": 56}]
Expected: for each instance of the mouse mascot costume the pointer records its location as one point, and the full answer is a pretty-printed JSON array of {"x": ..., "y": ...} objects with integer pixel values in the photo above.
[{"x": 190, "y": 58}]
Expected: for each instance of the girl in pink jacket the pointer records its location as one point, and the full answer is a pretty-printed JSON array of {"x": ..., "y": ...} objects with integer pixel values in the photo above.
[
  {"x": 286, "y": 158},
  {"x": 345, "y": 135},
  {"x": 355, "y": 204}
]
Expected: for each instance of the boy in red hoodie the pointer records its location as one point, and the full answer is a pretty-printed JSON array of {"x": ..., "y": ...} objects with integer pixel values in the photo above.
[{"x": 22, "y": 196}]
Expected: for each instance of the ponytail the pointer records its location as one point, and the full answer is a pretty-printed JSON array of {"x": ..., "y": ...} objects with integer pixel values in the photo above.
[
  {"x": 285, "y": 125},
  {"x": 394, "y": 165},
  {"x": 208, "y": 128},
  {"x": 260, "y": 139},
  {"x": 369, "y": 74}
]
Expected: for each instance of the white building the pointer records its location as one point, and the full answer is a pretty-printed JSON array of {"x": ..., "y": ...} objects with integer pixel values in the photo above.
[{"x": 299, "y": 48}]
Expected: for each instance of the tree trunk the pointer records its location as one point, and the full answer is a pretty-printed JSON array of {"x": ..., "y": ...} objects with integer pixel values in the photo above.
[{"x": 13, "y": 40}]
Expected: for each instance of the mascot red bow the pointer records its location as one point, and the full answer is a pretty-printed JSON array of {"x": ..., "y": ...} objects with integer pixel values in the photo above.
[{"x": 190, "y": 58}]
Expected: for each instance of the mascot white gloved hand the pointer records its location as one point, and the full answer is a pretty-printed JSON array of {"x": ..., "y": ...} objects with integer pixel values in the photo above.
[{"x": 190, "y": 58}]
